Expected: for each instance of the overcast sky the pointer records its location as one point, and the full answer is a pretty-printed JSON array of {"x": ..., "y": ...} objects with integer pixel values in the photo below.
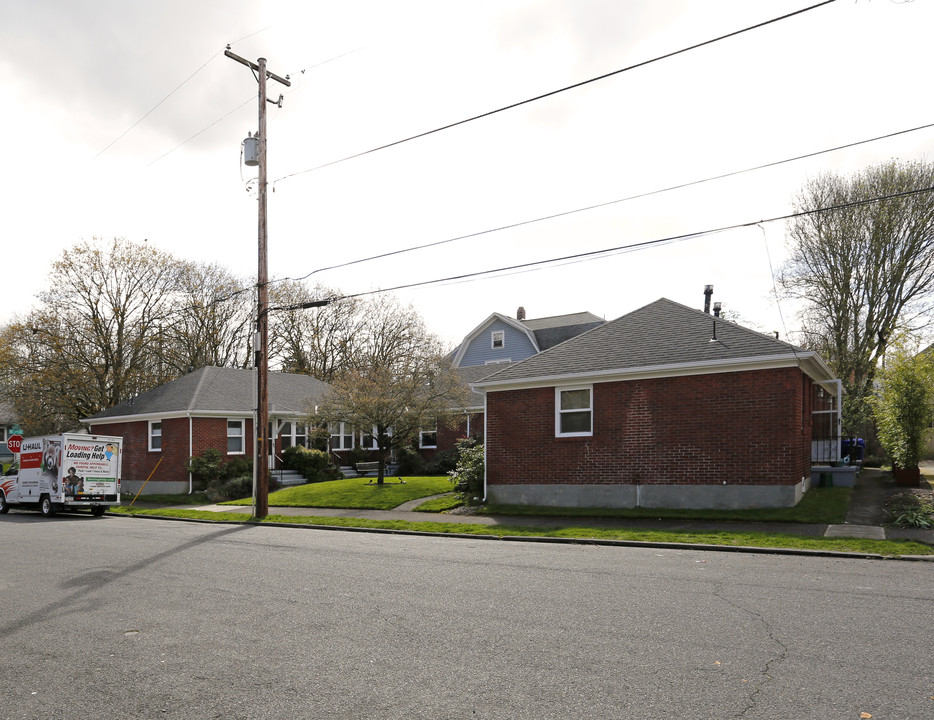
[{"x": 79, "y": 73}]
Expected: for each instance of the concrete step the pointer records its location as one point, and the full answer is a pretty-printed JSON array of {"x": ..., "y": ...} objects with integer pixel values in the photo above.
[{"x": 288, "y": 478}]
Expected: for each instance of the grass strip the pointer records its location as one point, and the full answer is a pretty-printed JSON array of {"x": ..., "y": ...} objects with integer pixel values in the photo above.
[
  {"x": 893, "y": 548},
  {"x": 441, "y": 504}
]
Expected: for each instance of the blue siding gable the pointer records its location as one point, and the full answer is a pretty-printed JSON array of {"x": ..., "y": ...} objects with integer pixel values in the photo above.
[{"x": 516, "y": 345}]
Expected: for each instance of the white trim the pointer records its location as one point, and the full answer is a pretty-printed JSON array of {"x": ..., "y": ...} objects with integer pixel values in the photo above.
[
  {"x": 808, "y": 361},
  {"x": 493, "y": 339},
  {"x": 149, "y": 436},
  {"x": 171, "y": 414},
  {"x": 242, "y": 436},
  {"x": 558, "y": 412},
  {"x": 343, "y": 431},
  {"x": 421, "y": 443}
]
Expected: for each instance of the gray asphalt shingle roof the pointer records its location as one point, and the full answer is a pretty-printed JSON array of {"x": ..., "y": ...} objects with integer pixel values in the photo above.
[
  {"x": 659, "y": 334},
  {"x": 218, "y": 390}
]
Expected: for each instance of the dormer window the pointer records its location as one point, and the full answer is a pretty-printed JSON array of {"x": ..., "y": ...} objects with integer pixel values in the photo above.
[{"x": 498, "y": 339}]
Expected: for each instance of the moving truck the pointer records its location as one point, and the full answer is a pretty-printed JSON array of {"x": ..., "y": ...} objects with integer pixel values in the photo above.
[{"x": 64, "y": 472}]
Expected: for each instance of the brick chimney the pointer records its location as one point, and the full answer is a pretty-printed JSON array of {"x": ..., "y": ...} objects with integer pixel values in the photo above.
[{"x": 520, "y": 313}]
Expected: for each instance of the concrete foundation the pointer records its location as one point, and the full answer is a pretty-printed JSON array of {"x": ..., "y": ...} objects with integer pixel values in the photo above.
[
  {"x": 153, "y": 487},
  {"x": 722, "y": 497}
]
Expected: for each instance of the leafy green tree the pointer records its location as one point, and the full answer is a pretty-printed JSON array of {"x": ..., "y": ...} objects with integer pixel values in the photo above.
[
  {"x": 865, "y": 270},
  {"x": 903, "y": 405}
]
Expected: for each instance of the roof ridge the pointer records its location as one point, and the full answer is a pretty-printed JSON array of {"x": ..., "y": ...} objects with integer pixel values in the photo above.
[{"x": 196, "y": 395}]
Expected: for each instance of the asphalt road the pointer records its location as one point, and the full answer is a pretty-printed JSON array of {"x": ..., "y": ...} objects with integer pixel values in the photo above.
[{"x": 131, "y": 618}]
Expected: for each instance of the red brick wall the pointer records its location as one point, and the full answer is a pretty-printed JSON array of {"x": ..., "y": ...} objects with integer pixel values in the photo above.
[
  {"x": 746, "y": 428},
  {"x": 139, "y": 462},
  {"x": 449, "y": 435}
]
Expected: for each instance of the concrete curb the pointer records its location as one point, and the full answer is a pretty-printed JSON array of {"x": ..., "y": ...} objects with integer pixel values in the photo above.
[{"x": 552, "y": 540}]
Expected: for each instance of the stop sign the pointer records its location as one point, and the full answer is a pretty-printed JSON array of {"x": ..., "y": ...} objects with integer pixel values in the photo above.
[{"x": 14, "y": 442}]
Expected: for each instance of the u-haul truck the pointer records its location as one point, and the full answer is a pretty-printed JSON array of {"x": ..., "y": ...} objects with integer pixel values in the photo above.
[{"x": 64, "y": 472}]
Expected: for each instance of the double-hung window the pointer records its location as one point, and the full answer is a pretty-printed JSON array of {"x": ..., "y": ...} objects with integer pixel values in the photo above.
[
  {"x": 574, "y": 411},
  {"x": 235, "y": 437},
  {"x": 155, "y": 435},
  {"x": 293, "y": 434},
  {"x": 498, "y": 339},
  {"x": 341, "y": 436},
  {"x": 428, "y": 438}
]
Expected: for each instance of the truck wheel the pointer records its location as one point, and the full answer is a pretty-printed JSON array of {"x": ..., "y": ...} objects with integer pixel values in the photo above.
[
  {"x": 98, "y": 510},
  {"x": 4, "y": 505},
  {"x": 45, "y": 506}
]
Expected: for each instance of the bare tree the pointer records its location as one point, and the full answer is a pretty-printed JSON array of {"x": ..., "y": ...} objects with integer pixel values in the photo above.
[
  {"x": 211, "y": 323},
  {"x": 320, "y": 342},
  {"x": 864, "y": 269},
  {"x": 87, "y": 346},
  {"x": 402, "y": 382}
]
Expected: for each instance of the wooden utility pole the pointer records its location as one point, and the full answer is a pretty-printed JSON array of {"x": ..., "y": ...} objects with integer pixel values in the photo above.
[{"x": 261, "y": 453}]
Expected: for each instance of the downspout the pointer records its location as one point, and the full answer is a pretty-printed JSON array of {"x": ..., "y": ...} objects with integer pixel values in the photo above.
[
  {"x": 191, "y": 451},
  {"x": 839, "y": 383},
  {"x": 486, "y": 424}
]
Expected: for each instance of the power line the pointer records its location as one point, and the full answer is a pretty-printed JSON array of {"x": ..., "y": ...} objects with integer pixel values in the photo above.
[
  {"x": 179, "y": 87},
  {"x": 561, "y": 90},
  {"x": 596, "y": 254},
  {"x": 245, "y": 102},
  {"x": 596, "y": 206}
]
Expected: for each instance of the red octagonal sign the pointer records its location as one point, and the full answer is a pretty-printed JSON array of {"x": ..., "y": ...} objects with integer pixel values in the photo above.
[{"x": 14, "y": 443}]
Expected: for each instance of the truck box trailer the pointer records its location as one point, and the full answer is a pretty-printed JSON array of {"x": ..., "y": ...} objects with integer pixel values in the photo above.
[{"x": 64, "y": 472}]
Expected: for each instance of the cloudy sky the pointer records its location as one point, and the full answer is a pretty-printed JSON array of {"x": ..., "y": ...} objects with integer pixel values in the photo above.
[{"x": 124, "y": 118}]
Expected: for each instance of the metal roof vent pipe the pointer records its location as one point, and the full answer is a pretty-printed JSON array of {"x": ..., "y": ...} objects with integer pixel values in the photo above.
[
  {"x": 520, "y": 313},
  {"x": 716, "y": 309},
  {"x": 708, "y": 291}
]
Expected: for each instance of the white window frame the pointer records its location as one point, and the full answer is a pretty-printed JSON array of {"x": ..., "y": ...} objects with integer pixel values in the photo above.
[
  {"x": 242, "y": 436},
  {"x": 422, "y": 432},
  {"x": 497, "y": 335},
  {"x": 296, "y": 430},
  {"x": 344, "y": 431},
  {"x": 151, "y": 433},
  {"x": 559, "y": 412}
]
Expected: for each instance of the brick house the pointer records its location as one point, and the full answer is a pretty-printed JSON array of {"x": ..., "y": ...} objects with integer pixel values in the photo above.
[
  {"x": 496, "y": 343},
  {"x": 664, "y": 407},
  {"x": 208, "y": 408}
]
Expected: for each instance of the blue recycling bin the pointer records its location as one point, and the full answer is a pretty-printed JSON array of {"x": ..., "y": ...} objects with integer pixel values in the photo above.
[{"x": 854, "y": 449}]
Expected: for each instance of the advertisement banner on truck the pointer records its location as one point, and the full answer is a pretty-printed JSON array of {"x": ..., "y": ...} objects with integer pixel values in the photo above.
[{"x": 87, "y": 457}]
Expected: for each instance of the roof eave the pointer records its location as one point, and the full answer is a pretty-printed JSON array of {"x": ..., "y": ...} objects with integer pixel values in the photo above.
[{"x": 808, "y": 361}]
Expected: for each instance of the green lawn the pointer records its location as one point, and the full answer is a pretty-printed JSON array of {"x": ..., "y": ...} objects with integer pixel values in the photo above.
[
  {"x": 356, "y": 493},
  {"x": 893, "y": 548}
]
